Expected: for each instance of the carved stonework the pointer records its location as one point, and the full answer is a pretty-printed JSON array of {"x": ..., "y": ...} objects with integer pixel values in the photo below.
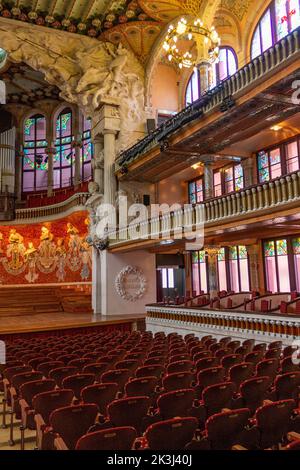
[
  {"x": 85, "y": 70},
  {"x": 131, "y": 284}
]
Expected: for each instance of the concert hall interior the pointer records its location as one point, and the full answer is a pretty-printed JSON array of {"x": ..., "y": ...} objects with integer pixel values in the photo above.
[{"x": 150, "y": 225}]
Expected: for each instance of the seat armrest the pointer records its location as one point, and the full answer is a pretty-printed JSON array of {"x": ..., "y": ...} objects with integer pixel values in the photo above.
[
  {"x": 25, "y": 408},
  {"x": 267, "y": 402},
  {"x": 59, "y": 444},
  {"x": 13, "y": 396},
  {"x": 293, "y": 436},
  {"x": 238, "y": 447}
]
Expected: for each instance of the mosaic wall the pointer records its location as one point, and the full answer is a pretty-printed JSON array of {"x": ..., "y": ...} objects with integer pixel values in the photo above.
[{"x": 52, "y": 252}]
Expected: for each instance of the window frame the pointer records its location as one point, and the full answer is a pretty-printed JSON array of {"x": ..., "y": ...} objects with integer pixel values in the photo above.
[
  {"x": 190, "y": 82},
  {"x": 60, "y": 146},
  {"x": 274, "y": 30},
  {"x": 199, "y": 272},
  {"x": 227, "y": 48},
  {"x": 195, "y": 180},
  {"x": 283, "y": 156},
  {"x": 290, "y": 256}
]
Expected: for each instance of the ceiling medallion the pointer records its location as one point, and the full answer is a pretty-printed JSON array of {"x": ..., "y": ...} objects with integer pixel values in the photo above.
[{"x": 188, "y": 32}]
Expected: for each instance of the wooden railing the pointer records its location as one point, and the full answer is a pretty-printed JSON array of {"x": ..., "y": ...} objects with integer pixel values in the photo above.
[
  {"x": 77, "y": 201},
  {"x": 284, "y": 50},
  {"x": 279, "y": 194},
  {"x": 260, "y": 325}
]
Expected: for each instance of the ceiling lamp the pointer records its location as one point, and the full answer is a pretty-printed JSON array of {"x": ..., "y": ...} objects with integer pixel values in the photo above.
[{"x": 189, "y": 31}]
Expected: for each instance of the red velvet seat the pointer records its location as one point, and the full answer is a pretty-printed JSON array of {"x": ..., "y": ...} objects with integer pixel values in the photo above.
[
  {"x": 267, "y": 367},
  {"x": 177, "y": 381},
  {"x": 142, "y": 386},
  {"x": 100, "y": 394},
  {"x": 180, "y": 366},
  {"x": 173, "y": 434},
  {"x": 71, "y": 423},
  {"x": 287, "y": 386},
  {"x": 118, "y": 376},
  {"x": 206, "y": 363},
  {"x": 46, "y": 367},
  {"x": 178, "y": 403},
  {"x": 241, "y": 372},
  {"x": 120, "y": 439},
  {"x": 207, "y": 377},
  {"x": 77, "y": 382},
  {"x": 150, "y": 370},
  {"x": 60, "y": 373},
  {"x": 254, "y": 391}
]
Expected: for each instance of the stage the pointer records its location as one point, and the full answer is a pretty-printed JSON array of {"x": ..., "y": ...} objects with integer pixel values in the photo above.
[{"x": 64, "y": 323}]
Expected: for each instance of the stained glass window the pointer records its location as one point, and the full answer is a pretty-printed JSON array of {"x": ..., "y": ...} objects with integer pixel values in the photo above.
[
  {"x": 199, "y": 272},
  {"x": 296, "y": 252},
  {"x": 292, "y": 156},
  {"x": 217, "y": 184},
  {"x": 193, "y": 90},
  {"x": 196, "y": 191},
  {"x": 234, "y": 178},
  {"x": 35, "y": 164},
  {"x": 87, "y": 151},
  {"x": 65, "y": 153},
  {"x": 277, "y": 265},
  {"x": 239, "y": 269},
  {"x": 222, "y": 272},
  {"x": 227, "y": 64},
  {"x": 282, "y": 17},
  {"x": 269, "y": 164}
]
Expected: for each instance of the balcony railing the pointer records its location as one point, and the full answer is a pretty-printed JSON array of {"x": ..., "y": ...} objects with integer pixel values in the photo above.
[
  {"x": 259, "y": 67},
  {"x": 77, "y": 201},
  {"x": 257, "y": 200}
]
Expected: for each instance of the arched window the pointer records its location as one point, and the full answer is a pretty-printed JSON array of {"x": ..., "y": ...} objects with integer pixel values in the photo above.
[
  {"x": 65, "y": 155},
  {"x": 193, "y": 90},
  {"x": 227, "y": 64},
  {"x": 226, "y": 67},
  {"x": 35, "y": 162},
  {"x": 87, "y": 151},
  {"x": 280, "y": 18}
]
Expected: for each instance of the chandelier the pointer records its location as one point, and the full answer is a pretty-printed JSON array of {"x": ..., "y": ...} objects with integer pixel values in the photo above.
[{"x": 189, "y": 31}]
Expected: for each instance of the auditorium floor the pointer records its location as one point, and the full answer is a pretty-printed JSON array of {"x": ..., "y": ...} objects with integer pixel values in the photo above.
[
  {"x": 4, "y": 435},
  {"x": 60, "y": 321}
]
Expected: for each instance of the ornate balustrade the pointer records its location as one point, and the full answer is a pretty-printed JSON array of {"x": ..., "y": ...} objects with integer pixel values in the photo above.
[
  {"x": 75, "y": 202},
  {"x": 249, "y": 75},
  {"x": 238, "y": 324},
  {"x": 255, "y": 201}
]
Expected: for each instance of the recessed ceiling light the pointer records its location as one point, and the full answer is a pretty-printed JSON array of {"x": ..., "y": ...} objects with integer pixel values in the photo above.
[
  {"x": 276, "y": 128},
  {"x": 196, "y": 166},
  {"x": 167, "y": 242}
]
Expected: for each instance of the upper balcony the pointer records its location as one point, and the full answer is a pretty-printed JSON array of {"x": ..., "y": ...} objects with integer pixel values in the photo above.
[{"x": 258, "y": 95}]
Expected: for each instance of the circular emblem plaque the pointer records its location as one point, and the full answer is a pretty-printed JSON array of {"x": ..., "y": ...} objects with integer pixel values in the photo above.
[{"x": 131, "y": 283}]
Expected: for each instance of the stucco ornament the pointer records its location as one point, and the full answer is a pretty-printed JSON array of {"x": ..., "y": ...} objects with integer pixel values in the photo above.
[
  {"x": 86, "y": 70},
  {"x": 131, "y": 293}
]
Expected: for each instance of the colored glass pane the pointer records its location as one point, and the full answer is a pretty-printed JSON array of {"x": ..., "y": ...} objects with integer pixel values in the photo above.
[
  {"x": 195, "y": 257},
  {"x": 29, "y": 123},
  {"x": 221, "y": 254},
  {"x": 262, "y": 160},
  {"x": 269, "y": 249},
  {"x": 202, "y": 256},
  {"x": 296, "y": 246},
  {"x": 233, "y": 253},
  {"x": 243, "y": 254},
  {"x": 281, "y": 246},
  {"x": 192, "y": 188}
]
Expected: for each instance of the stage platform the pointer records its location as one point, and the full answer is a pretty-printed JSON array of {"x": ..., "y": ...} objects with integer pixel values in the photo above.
[{"x": 62, "y": 323}]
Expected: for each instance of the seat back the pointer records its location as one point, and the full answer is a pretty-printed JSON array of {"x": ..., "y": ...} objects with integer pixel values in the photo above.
[
  {"x": 218, "y": 396},
  {"x": 177, "y": 403},
  {"x": 150, "y": 371},
  {"x": 180, "y": 366},
  {"x": 72, "y": 422},
  {"x": 241, "y": 372},
  {"x": 142, "y": 386},
  {"x": 254, "y": 391},
  {"x": 206, "y": 363},
  {"x": 177, "y": 381},
  {"x": 46, "y": 402},
  {"x": 287, "y": 386},
  {"x": 20, "y": 379},
  {"x": 46, "y": 366},
  {"x": 100, "y": 394},
  {"x": 173, "y": 434},
  {"x": 60, "y": 373},
  {"x": 223, "y": 429},
  {"x": 121, "y": 438},
  {"x": 129, "y": 411},
  {"x": 211, "y": 376},
  {"x": 118, "y": 376},
  {"x": 267, "y": 367},
  {"x": 29, "y": 389},
  {"x": 274, "y": 421}
]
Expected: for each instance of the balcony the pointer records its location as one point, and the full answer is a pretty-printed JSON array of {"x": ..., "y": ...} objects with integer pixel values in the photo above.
[
  {"x": 234, "y": 110},
  {"x": 256, "y": 204}
]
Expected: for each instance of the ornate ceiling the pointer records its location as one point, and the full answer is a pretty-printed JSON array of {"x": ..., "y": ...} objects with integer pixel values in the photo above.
[
  {"x": 26, "y": 86},
  {"x": 135, "y": 23}
]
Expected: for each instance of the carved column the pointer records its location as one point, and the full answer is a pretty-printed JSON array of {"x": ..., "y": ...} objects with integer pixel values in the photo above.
[
  {"x": 50, "y": 151},
  {"x": 108, "y": 126},
  {"x": 98, "y": 163},
  {"x": 208, "y": 180},
  {"x": 77, "y": 145},
  {"x": 248, "y": 168},
  {"x": 205, "y": 78},
  {"x": 19, "y": 166},
  {"x": 213, "y": 281},
  {"x": 253, "y": 253}
]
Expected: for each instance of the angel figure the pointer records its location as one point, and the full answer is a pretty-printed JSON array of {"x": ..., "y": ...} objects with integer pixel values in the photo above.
[
  {"x": 30, "y": 257},
  {"x": 61, "y": 255}
]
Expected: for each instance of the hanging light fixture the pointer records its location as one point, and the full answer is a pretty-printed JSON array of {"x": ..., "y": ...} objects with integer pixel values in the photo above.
[{"x": 188, "y": 30}]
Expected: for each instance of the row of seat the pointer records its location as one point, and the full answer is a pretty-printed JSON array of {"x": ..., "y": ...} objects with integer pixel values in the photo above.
[{"x": 142, "y": 387}]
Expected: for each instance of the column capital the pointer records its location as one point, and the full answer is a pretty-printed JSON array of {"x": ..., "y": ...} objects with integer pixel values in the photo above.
[
  {"x": 212, "y": 251},
  {"x": 108, "y": 119}
]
